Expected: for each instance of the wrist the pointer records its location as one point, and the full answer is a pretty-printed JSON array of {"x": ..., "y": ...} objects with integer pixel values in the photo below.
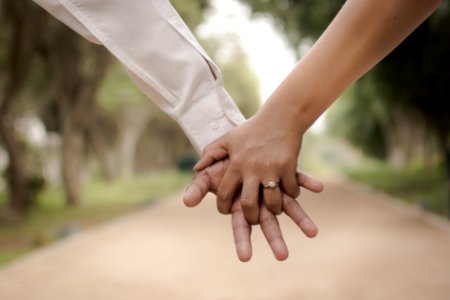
[
  {"x": 291, "y": 119},
  {"x": 279, "y": 122}
]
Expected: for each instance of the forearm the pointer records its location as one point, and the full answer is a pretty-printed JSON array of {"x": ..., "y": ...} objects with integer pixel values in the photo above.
[
  {"x": 362, "y": 34},
  {"x": 163, "y": 58}
]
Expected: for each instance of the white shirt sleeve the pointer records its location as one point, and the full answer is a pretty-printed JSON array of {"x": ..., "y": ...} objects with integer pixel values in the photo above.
[{"x": 162, "y": 57}]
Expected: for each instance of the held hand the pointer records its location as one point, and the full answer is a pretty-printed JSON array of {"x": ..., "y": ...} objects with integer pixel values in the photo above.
[
  {"x": 261, "y": 153},
  {"x": 209, "y": 179},
  {"x": 270, "y": 228}
]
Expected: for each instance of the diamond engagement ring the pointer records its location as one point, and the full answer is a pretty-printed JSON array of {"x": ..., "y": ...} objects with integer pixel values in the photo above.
[{"x": 270, "y": 185}]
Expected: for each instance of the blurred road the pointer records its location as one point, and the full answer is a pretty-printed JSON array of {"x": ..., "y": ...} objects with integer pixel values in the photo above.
[{"x": 368, "y": 248}]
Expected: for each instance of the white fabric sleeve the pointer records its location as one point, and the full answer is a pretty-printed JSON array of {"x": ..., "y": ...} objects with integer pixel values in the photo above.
[{"x": 162, "y": 57}]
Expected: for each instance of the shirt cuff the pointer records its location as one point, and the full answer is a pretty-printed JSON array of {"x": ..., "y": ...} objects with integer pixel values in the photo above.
[{"x": 210, "y": 117}]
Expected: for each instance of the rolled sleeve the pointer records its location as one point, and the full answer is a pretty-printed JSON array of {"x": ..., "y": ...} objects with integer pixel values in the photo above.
[{"x": 222, "y": 116}]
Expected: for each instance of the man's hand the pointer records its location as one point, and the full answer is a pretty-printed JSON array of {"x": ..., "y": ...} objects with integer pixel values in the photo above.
[
  {"x": 268, "y": 157},
  {"x": 209, "y": 179}
]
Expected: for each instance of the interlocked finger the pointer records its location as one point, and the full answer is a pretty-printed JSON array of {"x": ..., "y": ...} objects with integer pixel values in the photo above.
[
  {"x": 271, "y": 229},
  {"x": 272, "y": 196},
  {"x": 249, "y": 200},
  {"x": 241, "y": 233},
  {"x": 295, "y": 211},
  {"x": 227, "y": 190}
]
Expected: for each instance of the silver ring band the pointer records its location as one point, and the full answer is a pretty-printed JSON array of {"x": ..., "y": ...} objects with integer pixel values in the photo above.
[{"x": 270, "y": 185}]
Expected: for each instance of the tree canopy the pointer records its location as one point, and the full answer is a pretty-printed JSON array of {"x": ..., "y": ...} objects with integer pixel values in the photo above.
[
  {"x": 413, "y": 80},
  {"x": 92, "y": 115}
]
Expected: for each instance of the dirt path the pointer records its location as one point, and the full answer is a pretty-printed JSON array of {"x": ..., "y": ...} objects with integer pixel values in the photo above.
[{"x": 368, "y": 248}]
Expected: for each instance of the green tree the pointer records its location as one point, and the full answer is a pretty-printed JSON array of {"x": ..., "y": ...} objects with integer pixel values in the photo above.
[
  {"x": 88, "y": 105},
  {"x": 299, "y": 19},
  {"x": 412, "y": 78},
  {"x": 20, "y": 34},
  {"x": 192, "y": 11},
  {"x": 75, "y": 70},
  {"x": 239, "y": 78},
  {"x": 403, "y": 101},
  {"x": 131, "y": 134},
  {"x": 160, "y": 143},
  {"x": 417, "y": 75}
]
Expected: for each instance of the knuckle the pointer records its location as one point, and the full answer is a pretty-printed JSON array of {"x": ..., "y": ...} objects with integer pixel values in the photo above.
[
  {"x": 206, "y": 174},
  {"x": 236, "y": 208},
  {"x": 289, "y": 204},
  {"x": 208, "y": 149},
  {"x": 265, "y": 218},
  {"x": 233, "y": 166},
  {"x": 209, "y": 178},
  {"x": 222, "y": 196},
  {"x": 268, "y": 221},
  {"x": 238, "y": 160},
  {"x": 284, "y": 163},
  {"x": 248, "y": 203}
]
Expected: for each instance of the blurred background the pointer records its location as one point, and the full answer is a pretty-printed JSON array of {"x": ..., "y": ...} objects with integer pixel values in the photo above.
[{"x": 79, "y": 143}]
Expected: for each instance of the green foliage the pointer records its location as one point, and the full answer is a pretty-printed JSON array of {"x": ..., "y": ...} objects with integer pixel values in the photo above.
[
  {"x": 412, "y": 84},
  {"x": 5, "y": 33},
  {"x": 192, "y": 11},
  {"x": 51, "y": 219},
  {"x": 117, "y": 89},
  {"x": 299, "y": 18},
  {"x": 414, "y": 77},
  {"x": 326, "y": 155},
  {"x": 242, "y": 84},
  {"x": 358, "y": 118},
  {"x": 239, "y": 79},
  {"x": 424, "y": 186},
  {"x": 417, "y": 73}
]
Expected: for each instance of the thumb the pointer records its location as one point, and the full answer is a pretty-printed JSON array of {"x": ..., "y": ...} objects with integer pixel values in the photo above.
[
  {"x": 196, "y": 191},
  {"x": 212, "y": 153}
]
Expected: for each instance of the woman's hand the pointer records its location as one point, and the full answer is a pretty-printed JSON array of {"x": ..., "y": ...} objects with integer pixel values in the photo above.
[
  {"x": 209, "y": 179},
  {"x": 262, "y": 164}
]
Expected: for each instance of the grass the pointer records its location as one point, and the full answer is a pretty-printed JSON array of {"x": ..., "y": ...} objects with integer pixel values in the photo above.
[
  {"x": 326, "y": 156},
  {"x": 425, "y": 186},
  {"x": 51, "y": 219}
]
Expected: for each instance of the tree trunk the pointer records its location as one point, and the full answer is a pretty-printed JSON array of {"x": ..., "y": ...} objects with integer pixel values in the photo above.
[
  {"x": 447, "y": 164},
  {"x": 132, "y": 123},
  {"x": 21, "y": 45},
  {"x": 407, "y": 139},
  {"x": 17, "y": 180},
  {"x": 71, "y": 162},
  {"x": 396, "y": 135},
  {"x": 445, "y": 142},
  {"x": 104, "y": 153},
  {"x": 77, "y": 68}
]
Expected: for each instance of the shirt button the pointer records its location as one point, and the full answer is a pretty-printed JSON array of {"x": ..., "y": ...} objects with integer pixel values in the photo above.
[{"x": 214, "y": 125}]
